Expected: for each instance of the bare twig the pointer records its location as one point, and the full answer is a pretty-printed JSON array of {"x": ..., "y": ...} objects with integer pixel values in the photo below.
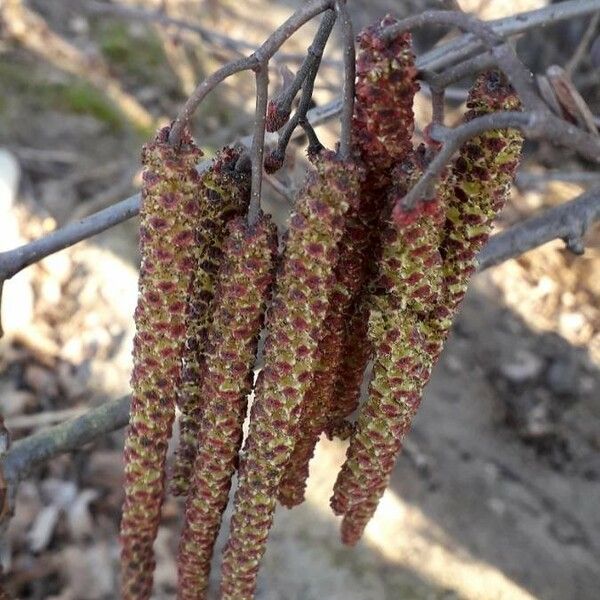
[
  {"x": 310, "y": 65},
  {"x": 525, "y": 179},
  {"x": 308, "y": 10},
  {"x": 286, "y": 193},
  {"x": 582, "y": 47},
  {"x": 26, "y": 454},
  {"x": 504, "y": 54},
  {"x": 441, "y": 81},
  {"x": 568, "y": 221},
  {"x": 13, "y": 261},
  {"x": 349, "y": 76},
  {"x": 258, "y": 140},
  {"x": 300, "y": 116},
  {"x": 467, "y": 45},
  {"x": 438, "y": 104}
]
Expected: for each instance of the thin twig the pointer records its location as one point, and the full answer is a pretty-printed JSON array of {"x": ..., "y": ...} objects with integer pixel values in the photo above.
[
  {"x": 300, "y": 116},
  {"x": 533, "y": 125},
  {"x": 481, "y": 62},
  {"x": 519, "y": 76},
  {"x": 310, "y": 66},
  {"x": 438, "y": 104},
  {"x": 267, "y": 49},
  {"x": 258, "y": 140},
  {"x": 582, "y": 47},
  {"x": 568, "y": 221},
  {"x": 280, "y": 188},
  {"x": 467, "y": 45},
  {"x": 349, "y": 76}
]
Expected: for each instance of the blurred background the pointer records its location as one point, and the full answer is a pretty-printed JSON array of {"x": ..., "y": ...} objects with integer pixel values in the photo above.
[{"x": 496, "y": 494}]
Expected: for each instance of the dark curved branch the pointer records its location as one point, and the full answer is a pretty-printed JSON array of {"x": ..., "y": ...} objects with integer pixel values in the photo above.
[
  {"x": 568, "y": 222},
  {"x": 260, "y": 56},
  {"x": 534, "y": 125},
  {"x": 349, "y": 75}
]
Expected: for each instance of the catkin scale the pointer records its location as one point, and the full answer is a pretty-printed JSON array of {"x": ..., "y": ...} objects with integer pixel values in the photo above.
[
  {"x": 294, "y": 321},
  {"x": 243, "y": 285},
  {"x": 223, "y": 195},
  {"x": 169, "y": 209}
]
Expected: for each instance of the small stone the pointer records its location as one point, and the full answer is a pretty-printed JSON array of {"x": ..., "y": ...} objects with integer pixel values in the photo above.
[
  {"x": 41, "y": 381},
  {"x": 524, "y": 366}
]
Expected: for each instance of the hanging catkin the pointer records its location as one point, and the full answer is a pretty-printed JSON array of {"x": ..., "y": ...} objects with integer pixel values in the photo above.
[
  {"x": 223, "y": 195},
  {"x": 294, "y": 322},
  {"x": 382, "y": 130},
  {"x": 243, "y": 285},
  {"x": 405, "y": 291},
  {"x": 169, "y": 210},
  {"x": 476, "y": 187},
  {"x": 382, "y": 127}
]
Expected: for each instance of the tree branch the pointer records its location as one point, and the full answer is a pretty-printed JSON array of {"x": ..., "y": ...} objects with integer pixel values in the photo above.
[
  {"x": 349, "y": 76},
  {"x": 533, "y": 125},
  {"x": 467, "y": 45},
  {"x": 309, "y": 9},
  {"x": 568, "y": 222},
  {"x": 258, "y": 140}
]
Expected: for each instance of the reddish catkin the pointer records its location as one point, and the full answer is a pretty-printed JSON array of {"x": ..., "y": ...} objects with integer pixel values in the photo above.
[
  {"x": 476, "y": 187},
  {"x": 169, "y": 211},
  {"x": 317, "y": 406},
  {"x": 406, "y": 290},
  {"x": 294, "y": 323},
  {"x": 244, "y": 282},
  {"x": 382, "y": 129},
  {"x": 224, "y": 194}
]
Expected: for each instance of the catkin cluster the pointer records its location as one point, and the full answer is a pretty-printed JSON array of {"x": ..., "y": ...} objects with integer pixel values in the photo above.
[{"x": 361, "y": 279}]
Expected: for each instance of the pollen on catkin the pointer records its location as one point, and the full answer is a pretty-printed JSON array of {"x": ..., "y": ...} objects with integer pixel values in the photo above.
[
  {"x": 473, "y": 190},
  {"x": 223, "y": 195},
  {"x": 382, "y": 128},
  {"x": 404, "y": 292},
  {"x": 244, "y": 281},
  {"x": 294, "y": 321},
  {"x": 169, "y": 210}
]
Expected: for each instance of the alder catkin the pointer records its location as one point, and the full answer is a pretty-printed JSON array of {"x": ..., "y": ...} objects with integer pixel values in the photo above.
[
  {"x": 473, "y": 191},
  {"x": 169, "y": 210},
  {"x": 223, "y": 195},
  {"x": 405, "y": 291},
  {"x": 294, "y": 321},
  {"x": 244, "y": 281}
]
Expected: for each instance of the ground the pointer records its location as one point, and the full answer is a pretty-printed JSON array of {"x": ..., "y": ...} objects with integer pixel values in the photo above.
[{"x": 495, "y": 495}]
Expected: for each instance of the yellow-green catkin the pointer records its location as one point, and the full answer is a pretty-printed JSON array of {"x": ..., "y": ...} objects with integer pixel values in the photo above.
[
  {"x": 169, "y": 210},
  {"x": 406, "y": 290},
  {"x": 243, "y": 286},
  {"x": 474, "y": 189},
  {"x": 294, "y": 322},
  {"x": 479, "y": 185},
  {"x": 223, "y": 195},
  {"x": 382, "y": 127}
]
